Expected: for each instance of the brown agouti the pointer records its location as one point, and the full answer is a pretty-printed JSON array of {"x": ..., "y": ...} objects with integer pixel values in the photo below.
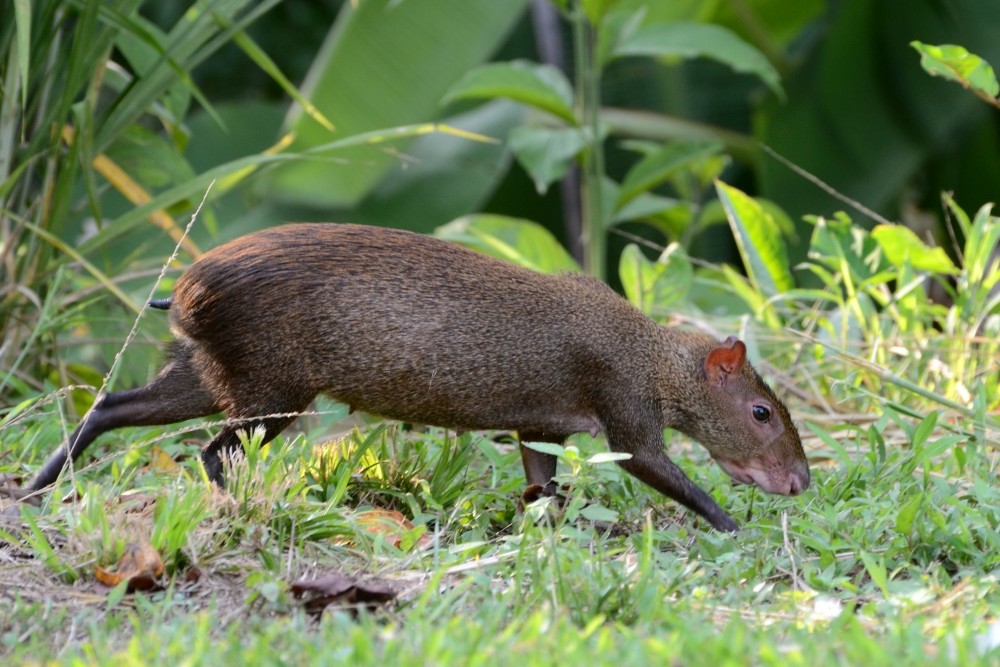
[{"x": 413, "y": 328}]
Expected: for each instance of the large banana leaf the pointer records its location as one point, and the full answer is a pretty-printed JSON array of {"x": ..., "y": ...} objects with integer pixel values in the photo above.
[{"x": 385, "y": 63}]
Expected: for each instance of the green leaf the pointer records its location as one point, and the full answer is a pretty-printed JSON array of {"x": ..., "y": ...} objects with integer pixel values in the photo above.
[
  {"x": 383, "y": 64},
  {"x": 541, "y": 86},
  {"x": 597, "y": 9},
  {"x": 546, "y": 448},
  {"x": 839, "y": 245},
  {"x": 649, "y": 205},
  {"x": 752, "y": 297},
  {"x": 148, "y": 158},
  {"x": 264, "y": 62},
  {"x": 759, "y": 240},
  {"x": 685, "y": 39},
  {"x": 655, "y": 284},
  {"x": 660, "y": 165},
  {"x": 902, "y": 246},
  {"x": 981, "y": 239},
  {"x": 957, "y": 64},
  {"x": 598, "y": 512},
  {"x": 462, "y": 174},
  {"x": 877, "y": 571},
  {"x": 924, "y": 430},
  {"x": 616, "y": 28},
  {"x": 520, "y": 242},
  {"x": 22, "y": 17},
  {"x": 546, "y": 154}
]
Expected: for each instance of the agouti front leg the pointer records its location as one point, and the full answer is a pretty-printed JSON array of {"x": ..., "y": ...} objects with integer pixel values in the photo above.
[
  {"x": 650, "y": 464},
  {"x": 539, "y": 467}
]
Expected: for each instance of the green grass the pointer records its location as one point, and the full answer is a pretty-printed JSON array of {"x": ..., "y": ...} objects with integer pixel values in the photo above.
[{"x": 891, "y": 557}]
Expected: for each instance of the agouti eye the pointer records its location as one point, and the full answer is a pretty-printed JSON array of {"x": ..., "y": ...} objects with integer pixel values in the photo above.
[{"x": 761, "y": 414}]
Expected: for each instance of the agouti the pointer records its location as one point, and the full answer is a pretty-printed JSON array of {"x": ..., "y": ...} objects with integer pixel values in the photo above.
[{"x": 409, "y": 327}]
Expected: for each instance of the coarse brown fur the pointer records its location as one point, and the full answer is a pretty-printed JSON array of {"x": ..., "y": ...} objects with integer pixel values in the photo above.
[{"x": 412, "y": 328}]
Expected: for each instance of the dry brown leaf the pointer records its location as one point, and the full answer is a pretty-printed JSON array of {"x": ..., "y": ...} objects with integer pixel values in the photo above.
[
  {"x": 160, "y": 461},
  {"x": 136, "y": 502},
  {"x": 140, "y": 565},
  {"x": 340, "y": 590},
  {"x": 10, "y": 479},
  {"x": 390, "y": 524}
]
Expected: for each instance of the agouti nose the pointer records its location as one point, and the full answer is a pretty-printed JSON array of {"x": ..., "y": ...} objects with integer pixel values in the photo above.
[{"x": 799, "y": 481}]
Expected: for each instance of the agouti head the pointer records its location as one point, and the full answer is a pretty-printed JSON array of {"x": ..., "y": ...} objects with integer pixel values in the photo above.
[{"x": 744, "y": 426}]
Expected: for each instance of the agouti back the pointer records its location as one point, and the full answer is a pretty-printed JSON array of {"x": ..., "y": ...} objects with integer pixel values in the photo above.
[{"x": 409, "y": 327}]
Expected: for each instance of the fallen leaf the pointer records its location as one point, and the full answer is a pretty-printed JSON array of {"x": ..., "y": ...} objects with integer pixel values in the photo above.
[
  {"x": 392, "y": 525},
  {"x": 136, "y": 502},
  {"x": 140, "y": 565},
  {"x": 160, "y": 461},
  {"x": 342, "y": 591}
]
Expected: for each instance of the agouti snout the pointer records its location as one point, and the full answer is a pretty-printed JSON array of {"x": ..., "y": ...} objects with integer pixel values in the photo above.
[{"x": 412, "y": 328}]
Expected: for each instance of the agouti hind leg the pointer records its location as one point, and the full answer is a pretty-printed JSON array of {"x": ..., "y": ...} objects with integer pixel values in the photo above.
[
  {"x": 227, "y": 442},
  {"x": 174, "y": 395}
]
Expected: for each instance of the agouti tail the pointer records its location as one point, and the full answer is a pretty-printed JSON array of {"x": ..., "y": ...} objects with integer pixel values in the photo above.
[{"x": 412, "y": 328}]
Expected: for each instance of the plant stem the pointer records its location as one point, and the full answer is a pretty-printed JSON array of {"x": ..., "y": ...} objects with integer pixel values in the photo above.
[{"x": 588, "y": 94}]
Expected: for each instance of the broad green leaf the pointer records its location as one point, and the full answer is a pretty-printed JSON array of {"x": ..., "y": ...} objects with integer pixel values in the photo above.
[
  {"x": 541, "y": 86},
  {"x": 597, "y": 9},
  {"x": 520, "y": 242},
  {"x": 759, "y": 241},
  {"x": 649, "y": 205},
  {"x": 598, "y": 512},
  {"x": 957, "y": 64},
  {"x": 907, "y": 514},
  {"x": 546, "y": 448},
  {"x": 659, "y": 284},
  {"x": 149, "y": 158},
  {"x": 924, "y": 430},
  {"x": 902, "y": 246},
  {"x": 693, "y": 40},
  {"x": 462, "y": 174},
  {"x": 546, "y": 154},
  {"x": 384, "y": 64},
  {"x": 877, "y": 571},
  {"x": 655, "y": 168},
  {"x": 841, "y": 246},
  {"x": 616, "y": 28}
]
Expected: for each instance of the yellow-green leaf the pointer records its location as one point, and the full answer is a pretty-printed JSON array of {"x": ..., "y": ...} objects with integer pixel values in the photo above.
[
  {"x": 759, "y": 240},
  {"x": 901, "y": 247}
]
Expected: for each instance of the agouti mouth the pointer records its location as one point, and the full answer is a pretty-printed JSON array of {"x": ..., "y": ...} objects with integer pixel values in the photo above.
[{"x": 782, "y": 480}]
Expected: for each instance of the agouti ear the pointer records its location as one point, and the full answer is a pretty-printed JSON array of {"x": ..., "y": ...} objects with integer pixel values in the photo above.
[{"x": 725, "y": 360}]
